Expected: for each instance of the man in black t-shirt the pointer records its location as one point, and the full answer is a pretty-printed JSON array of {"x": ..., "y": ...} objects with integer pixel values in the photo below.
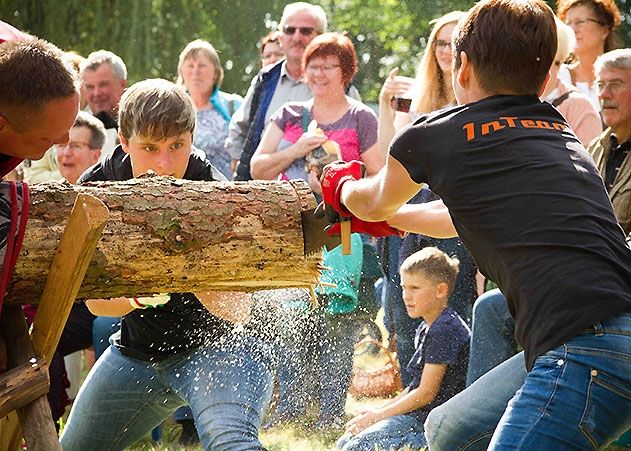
[
  {"x": 175, "y": 349},
  {"x": 525, "y": 198}
]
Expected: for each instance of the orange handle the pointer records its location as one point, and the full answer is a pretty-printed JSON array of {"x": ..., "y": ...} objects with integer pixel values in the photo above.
[{"x": 345, "y": 232}]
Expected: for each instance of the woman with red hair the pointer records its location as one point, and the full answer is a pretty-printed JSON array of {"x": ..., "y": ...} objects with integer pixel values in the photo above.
[{"x": 298, "y": 128}]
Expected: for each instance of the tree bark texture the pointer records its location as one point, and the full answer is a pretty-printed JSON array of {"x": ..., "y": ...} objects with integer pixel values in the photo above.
[{"x": 168, "y": 235}]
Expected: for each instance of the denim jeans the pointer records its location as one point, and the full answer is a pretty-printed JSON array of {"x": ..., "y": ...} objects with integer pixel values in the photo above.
[
  {"x": 297, "y": 385},
  {"x": 335, "y": 362},
  {"x": 395, "y": 432},
  {"x": 315, "y": 364},
  {"x": 228, "y": 386},
  {"x": 492, "y": 334},
  {"x": 102, "y": 329},
  {"x": 577, "y": 396},
  {"x": 467, "y": 421}
]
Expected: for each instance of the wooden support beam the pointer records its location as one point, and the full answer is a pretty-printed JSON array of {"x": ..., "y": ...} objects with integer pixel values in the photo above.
[
  {"x": 35, "y": 417},
  {"x": 77, "y": 244},
  {"x": 22, "y": 384},
  {"x": 66, "y": 273}
]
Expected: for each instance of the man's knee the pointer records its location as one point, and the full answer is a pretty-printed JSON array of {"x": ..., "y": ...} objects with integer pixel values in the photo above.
[
  {"x": 489, "y": 304},
  {"x": 438, "y": 428}
]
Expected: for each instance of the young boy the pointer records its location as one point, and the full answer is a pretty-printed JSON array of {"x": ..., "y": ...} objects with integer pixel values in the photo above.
[
  {"x": 525, "y": 197},
  {"x": 185, "y": 350},
  {"x": 438, "y": 366}
]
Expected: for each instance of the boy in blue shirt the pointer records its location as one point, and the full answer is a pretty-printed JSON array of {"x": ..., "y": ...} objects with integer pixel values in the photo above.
[{"x": 438, "y": 366}]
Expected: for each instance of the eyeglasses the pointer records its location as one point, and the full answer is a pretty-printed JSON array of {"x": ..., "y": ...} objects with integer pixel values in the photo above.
[
  {"x": 440, "y": 44},
  {"x": 578, "y": 23},
  {"x": 305, "y": 31},
  {"x": 74, "y": 146},
  {"x": 614, "y": 85},
  {"x": 313, "y": 68}
]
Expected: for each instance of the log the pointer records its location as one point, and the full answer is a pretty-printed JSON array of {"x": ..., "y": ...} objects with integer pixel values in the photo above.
[
  {"x": 23, "y": 384},
  {"x": 168, "y": 235}
]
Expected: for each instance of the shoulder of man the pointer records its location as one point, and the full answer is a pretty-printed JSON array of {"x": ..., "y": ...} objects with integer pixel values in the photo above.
[
  {"x": 200, "y": 169},
  {"x": 600, "y": 144}
]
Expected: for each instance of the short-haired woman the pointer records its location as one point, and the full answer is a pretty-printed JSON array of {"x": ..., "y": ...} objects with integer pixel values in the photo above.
[
  {"x": 199, "y": 69},
  {"x": 594, "y": 23}
]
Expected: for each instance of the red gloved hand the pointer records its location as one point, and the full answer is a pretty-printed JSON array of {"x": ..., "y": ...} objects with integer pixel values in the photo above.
[
  {"x": 376, "y": 229},
  {"x": 334, "y": 175}
]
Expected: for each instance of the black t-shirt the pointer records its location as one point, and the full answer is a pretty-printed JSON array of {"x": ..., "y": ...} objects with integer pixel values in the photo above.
[
  {"x": 529, "y": 204},
  {"x": 445, "y": 342},
  {"x": 181, "y": 324}
]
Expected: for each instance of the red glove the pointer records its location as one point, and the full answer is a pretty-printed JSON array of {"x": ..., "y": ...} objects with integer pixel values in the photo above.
[
  {"x": 334, "y": 175},
  {"x": 376, "y": 229}
]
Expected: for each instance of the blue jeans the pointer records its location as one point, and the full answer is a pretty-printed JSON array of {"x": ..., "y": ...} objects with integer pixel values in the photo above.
[
  {"x": 394, "y": 432},
  {"x": 102, "y": 329},
  {"x": 467, "y": 421},
  {"x": 335, "y": 362},
  {"x": 577, "y": 396},
  {"x": 228, "y": 386},
  {"x": 492, "y": 334},
  {"x": 297, "y": 350},
  {"x": 315, "y": 364}
]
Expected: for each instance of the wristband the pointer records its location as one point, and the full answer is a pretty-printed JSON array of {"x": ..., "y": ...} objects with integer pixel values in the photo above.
[{"x": 135, "y": 304}]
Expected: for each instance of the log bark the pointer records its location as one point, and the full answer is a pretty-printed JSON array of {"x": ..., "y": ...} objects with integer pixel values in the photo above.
[{"x": 168, "y": 235}]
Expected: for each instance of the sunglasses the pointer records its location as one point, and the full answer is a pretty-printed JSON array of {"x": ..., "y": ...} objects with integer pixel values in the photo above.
[{"x": 305, "y": 31}]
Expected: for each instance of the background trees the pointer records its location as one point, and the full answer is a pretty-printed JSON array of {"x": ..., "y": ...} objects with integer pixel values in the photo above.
[{"x": 149, "y": 34}]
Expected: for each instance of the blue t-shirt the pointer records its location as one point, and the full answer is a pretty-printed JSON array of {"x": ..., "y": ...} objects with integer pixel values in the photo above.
[{"x": 446, "y": 341}]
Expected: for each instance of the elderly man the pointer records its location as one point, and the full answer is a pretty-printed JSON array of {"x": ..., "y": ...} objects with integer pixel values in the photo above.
[
  {"x": 103, "y": 79},
  {"x": 87, "y": 137},
  {"x": 611, "y": 150},
  {"x": 275, "y": 84}
]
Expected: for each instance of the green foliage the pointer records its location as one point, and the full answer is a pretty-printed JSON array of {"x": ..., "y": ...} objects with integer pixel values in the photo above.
[{"x": 150, "y": 34}]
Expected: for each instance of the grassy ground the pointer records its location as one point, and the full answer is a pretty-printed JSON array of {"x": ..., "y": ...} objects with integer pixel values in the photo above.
[{"x": 292, "y": 436}]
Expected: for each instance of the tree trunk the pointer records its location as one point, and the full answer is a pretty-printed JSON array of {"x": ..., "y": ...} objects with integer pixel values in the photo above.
[{"x": 167, "y": 235}]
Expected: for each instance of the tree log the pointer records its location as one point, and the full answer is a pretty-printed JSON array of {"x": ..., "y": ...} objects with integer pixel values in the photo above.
[{"x": 168, "y": 235}]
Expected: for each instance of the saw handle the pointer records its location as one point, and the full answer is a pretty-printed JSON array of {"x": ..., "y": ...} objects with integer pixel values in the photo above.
[{"x": 345, "y": 233}]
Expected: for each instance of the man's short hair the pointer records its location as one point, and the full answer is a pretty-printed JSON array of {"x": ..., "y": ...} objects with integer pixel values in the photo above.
[
  {"x": 95, "y": 59},
  {"x": 333, "y": 44},
  {"x": 97, "y": 130},
  {"x": 157, "y": 109},
  {"x": 32, "y": 73},
  {"x": 433, "y": 264},
  {"x": 194, "y": 48},
  {"x": 314, "y": 10},
  {"x": 615, "y": 59},
  {"x": 510, "y": 43}
]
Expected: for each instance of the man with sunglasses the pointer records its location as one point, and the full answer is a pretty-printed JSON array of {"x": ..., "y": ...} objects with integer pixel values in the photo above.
[{"x": 276, "y": 85}]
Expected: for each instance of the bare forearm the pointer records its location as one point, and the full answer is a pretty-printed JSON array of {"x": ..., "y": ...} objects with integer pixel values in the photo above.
[
  {"x": 361, "y": 198},
  {"x": 385, "y": 128},
  {"x": 109, "y": 307},
  {"x": 431, "y": 219},
  {"x": 413, "y": 400},
  {"x": 267, "y": 166},
  {"x": 233, "y": 306}
]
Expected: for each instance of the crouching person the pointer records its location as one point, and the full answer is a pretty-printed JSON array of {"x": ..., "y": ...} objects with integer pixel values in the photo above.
[
  {"x": 175, "y": 349},
  {"x": 438, "y": 365}
]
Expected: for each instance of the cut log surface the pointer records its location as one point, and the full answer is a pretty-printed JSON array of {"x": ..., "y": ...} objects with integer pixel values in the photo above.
[{"x": 168, "y": 235}]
